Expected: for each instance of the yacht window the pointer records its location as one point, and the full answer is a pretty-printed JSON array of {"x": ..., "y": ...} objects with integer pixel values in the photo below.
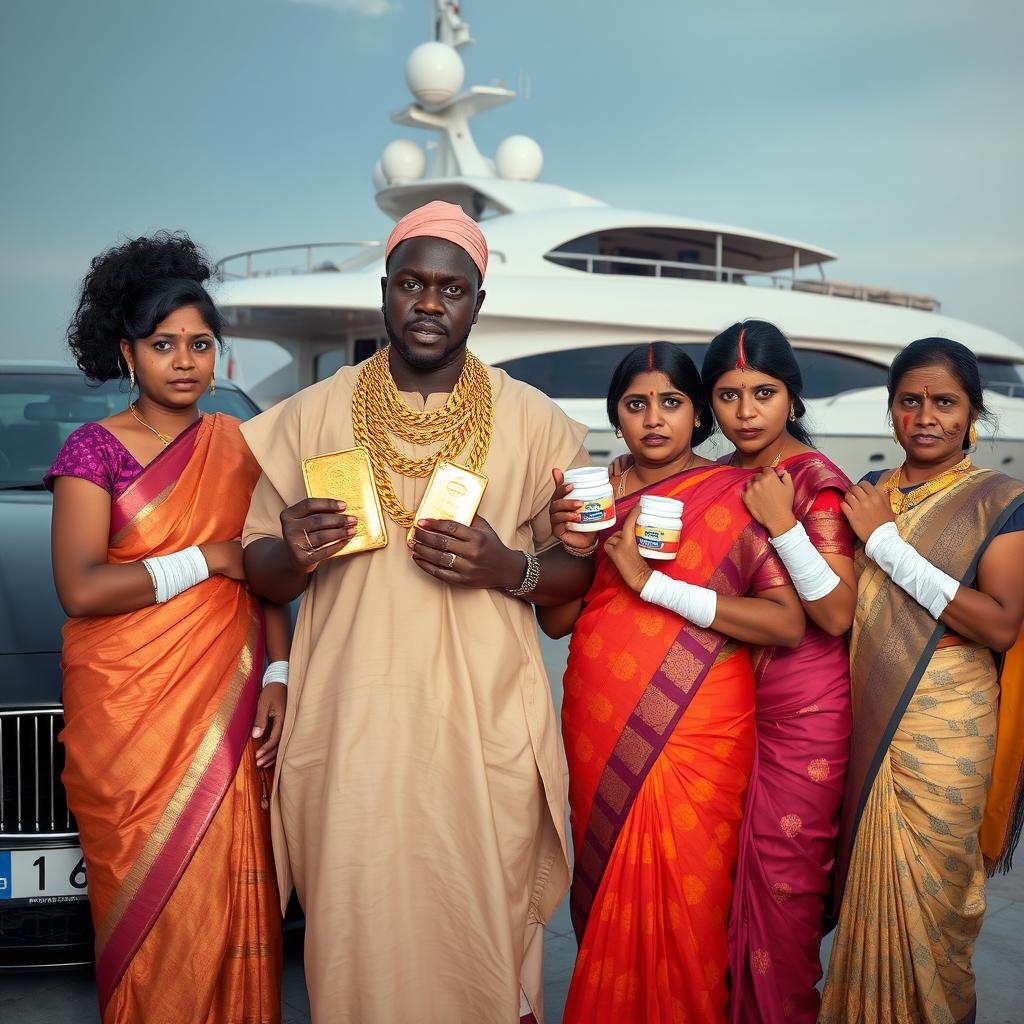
[
  {"x": 586, "y": 372},
  {"x": 327, "y": 364},
  {"x": 1003, "y": 376},
  {"x": 578, "y": 372},
  {"x": 363, "y": 348},
  {"x": 828, "y": 373}
]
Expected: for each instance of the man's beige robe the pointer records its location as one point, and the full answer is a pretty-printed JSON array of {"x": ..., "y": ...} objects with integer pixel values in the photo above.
[{"x": 419, "y": 804}]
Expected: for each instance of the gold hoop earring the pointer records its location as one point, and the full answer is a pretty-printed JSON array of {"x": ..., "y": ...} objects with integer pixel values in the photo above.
[
  {"x": 972, "y": 435},
  {"x": 213, "y": 386},
  {"x": 792, "y": 414},
  {"x": 131, "y": 380},
  {"x": 696, "y": 423},
  {"x": 618, "y": 433}
]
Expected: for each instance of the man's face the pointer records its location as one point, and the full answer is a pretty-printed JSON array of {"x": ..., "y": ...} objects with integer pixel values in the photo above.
[{"x": 431, "y": 300}]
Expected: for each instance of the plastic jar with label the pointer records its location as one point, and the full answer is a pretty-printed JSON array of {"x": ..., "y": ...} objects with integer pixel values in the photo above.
[
  {"x": 590, "y": 485},
  {"x": 659, "y": 527}
]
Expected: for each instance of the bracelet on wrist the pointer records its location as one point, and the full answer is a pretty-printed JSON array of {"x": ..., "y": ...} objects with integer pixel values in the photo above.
[
  {"x": 531, "y": 577},
  {"x": 578, "y": 553},
  {"x": 276, "y": 672}
]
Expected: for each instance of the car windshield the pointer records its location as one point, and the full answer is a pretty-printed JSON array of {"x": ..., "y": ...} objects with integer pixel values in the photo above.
[{"x": 38, "y": 411}]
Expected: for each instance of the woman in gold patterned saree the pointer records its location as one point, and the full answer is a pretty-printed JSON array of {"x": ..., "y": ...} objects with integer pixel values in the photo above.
[{"x": 932, "y": 799}]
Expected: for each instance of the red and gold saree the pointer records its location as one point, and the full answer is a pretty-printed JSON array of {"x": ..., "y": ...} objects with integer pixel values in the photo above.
[
  {"x": 788, "y": 839},
  {"x": 658, "y": 720},
  {"x": 160, "y": 773}
]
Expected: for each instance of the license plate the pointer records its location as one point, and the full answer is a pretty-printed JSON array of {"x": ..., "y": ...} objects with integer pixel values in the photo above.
[{"x": 42, "y": 875}]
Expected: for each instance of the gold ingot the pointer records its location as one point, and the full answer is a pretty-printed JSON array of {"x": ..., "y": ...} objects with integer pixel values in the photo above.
[
  {"x": 453, "y": 492},
  {"x": 348, "y": 476}
]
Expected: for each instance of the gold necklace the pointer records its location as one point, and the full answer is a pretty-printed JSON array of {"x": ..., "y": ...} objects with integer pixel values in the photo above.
[
  {"x": 901, "y": 502},
  {"x": 620, "y": 491},
  {"x": 378, "y": 412},
  {"x": 771, "y": 465},
  {"x": 165, "y": 438}
]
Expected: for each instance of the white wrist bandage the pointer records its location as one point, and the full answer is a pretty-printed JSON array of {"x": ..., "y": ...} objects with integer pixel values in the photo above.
[
  {"x": 173, "y": 574},
  {"x": 695, "y": 604},
  {"x": 812, "y": 576},
  {"x": 928, "y": 585},
  {"x": 277, "y": 672}
]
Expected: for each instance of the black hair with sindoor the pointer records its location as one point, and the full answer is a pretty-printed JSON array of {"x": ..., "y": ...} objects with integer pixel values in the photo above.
[
  {"x": 957, "y": 358},
  {"x": 671, "y": 360},
  {"x": 764, "y": 348}
]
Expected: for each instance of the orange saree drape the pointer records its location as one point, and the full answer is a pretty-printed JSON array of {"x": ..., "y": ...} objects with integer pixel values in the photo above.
[
  {"x": 658, "y": 720},
  {"x": 160, "y": 771}
]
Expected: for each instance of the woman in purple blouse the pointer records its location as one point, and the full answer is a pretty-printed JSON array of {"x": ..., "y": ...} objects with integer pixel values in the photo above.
[{"x": 168, "y": 732}]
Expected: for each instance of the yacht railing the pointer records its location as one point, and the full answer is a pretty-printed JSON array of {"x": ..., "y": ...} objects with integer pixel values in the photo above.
[
  {"x": 246, "y": 264},
  {"x": 301, "y": 260},
  {"x": 734, "y": 275}
]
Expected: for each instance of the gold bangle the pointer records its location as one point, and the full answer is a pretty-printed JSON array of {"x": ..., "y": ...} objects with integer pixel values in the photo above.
[{"x": 585, "y": 553}]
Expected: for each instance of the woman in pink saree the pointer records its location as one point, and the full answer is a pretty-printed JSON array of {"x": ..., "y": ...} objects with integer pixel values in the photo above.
[{"x": 788, "y": 838}]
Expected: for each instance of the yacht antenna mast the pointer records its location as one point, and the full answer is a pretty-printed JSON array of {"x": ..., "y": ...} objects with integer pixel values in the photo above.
[{"x": 449, "y": 28}]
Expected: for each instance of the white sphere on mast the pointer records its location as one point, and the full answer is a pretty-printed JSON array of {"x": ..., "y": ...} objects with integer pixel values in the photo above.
[
  {"x": 519, "y": 158},
  {"x": 402, "y": 161},
  {"x": 434, "y": 73}
]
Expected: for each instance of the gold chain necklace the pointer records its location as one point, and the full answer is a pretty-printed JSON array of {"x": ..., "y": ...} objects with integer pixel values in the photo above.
[
  {"x": 620, "y": 490},
  {"x": 901, "y": 502},
  {"x": 771, "y": 465},
  {"x": 378, "y": 412},
  {"x": 165, "y": 438}
]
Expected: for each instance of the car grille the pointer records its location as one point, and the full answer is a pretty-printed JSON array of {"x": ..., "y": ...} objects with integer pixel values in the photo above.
[{"x": 32, "y": 797}]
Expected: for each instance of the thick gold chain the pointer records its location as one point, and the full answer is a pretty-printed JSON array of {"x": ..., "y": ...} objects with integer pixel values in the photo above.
[
  {"x": 901, "y": 502},
  {"x": 378, "y": 412}
]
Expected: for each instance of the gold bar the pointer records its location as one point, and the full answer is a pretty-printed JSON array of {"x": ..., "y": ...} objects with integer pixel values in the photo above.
[
  {"x": 348, "y": 476},
  {"x": 453, "y": 492}
]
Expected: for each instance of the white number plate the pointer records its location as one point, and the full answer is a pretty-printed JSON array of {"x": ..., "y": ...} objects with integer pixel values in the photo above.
[{"x": 45, "y": 875}]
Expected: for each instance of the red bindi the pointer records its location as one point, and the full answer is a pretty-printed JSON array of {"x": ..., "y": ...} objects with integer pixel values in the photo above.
[{"x": 926, "y": 391}]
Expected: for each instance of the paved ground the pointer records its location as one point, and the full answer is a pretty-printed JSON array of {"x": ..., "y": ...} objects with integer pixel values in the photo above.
[{"x": 68, "y": 997}]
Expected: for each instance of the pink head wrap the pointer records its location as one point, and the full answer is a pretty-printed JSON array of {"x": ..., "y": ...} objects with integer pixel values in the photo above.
[{"x": 441, "y": 220}]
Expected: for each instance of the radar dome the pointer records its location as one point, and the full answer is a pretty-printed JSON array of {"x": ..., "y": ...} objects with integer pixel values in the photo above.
[
  {"x": 519, "y": 158},
  {"x": 434, "y": 73},
  {"x": 402, "y": 161}
]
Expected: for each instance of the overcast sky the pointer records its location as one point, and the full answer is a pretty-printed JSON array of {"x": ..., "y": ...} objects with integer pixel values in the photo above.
[{"x": 888, "y": 132}]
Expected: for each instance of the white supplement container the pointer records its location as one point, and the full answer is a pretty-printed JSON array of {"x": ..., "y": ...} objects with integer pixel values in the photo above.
[
  {"x": 659, "y": 527},
  {"x": 590, "y": 485}
]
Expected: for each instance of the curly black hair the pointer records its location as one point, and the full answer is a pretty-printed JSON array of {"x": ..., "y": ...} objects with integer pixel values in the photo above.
[{"x": 129, "y": 289}]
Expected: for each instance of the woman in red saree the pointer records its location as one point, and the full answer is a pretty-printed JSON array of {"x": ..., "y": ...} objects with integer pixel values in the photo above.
[
  {"x": 788, "y": 839},
  {"x": 658, "y": 713},
  {"x": 163, "y": 660}
]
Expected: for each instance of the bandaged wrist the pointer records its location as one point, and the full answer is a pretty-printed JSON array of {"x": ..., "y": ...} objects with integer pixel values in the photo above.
[
  {"x": 812, "y": 576},
  {"x": 277, "y": 672},
  {"x": 928, "y": 585},
  {"x": 173, "y": 574},
  {"x": 695, "y": 604}
]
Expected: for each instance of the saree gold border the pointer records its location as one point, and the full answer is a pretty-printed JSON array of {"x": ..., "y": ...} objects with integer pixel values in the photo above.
[
  {"x": 190, "y": 781},
  {"x": 142, "y": 514}
]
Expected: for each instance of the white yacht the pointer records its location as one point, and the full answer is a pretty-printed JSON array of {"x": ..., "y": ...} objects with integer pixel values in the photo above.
[{"x": 574, "y": 283}]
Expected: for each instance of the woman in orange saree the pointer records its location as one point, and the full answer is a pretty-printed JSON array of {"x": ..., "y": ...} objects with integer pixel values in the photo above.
[
  {"x": 160, "y": 696},
  {"x": 658, "y": 717}
]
